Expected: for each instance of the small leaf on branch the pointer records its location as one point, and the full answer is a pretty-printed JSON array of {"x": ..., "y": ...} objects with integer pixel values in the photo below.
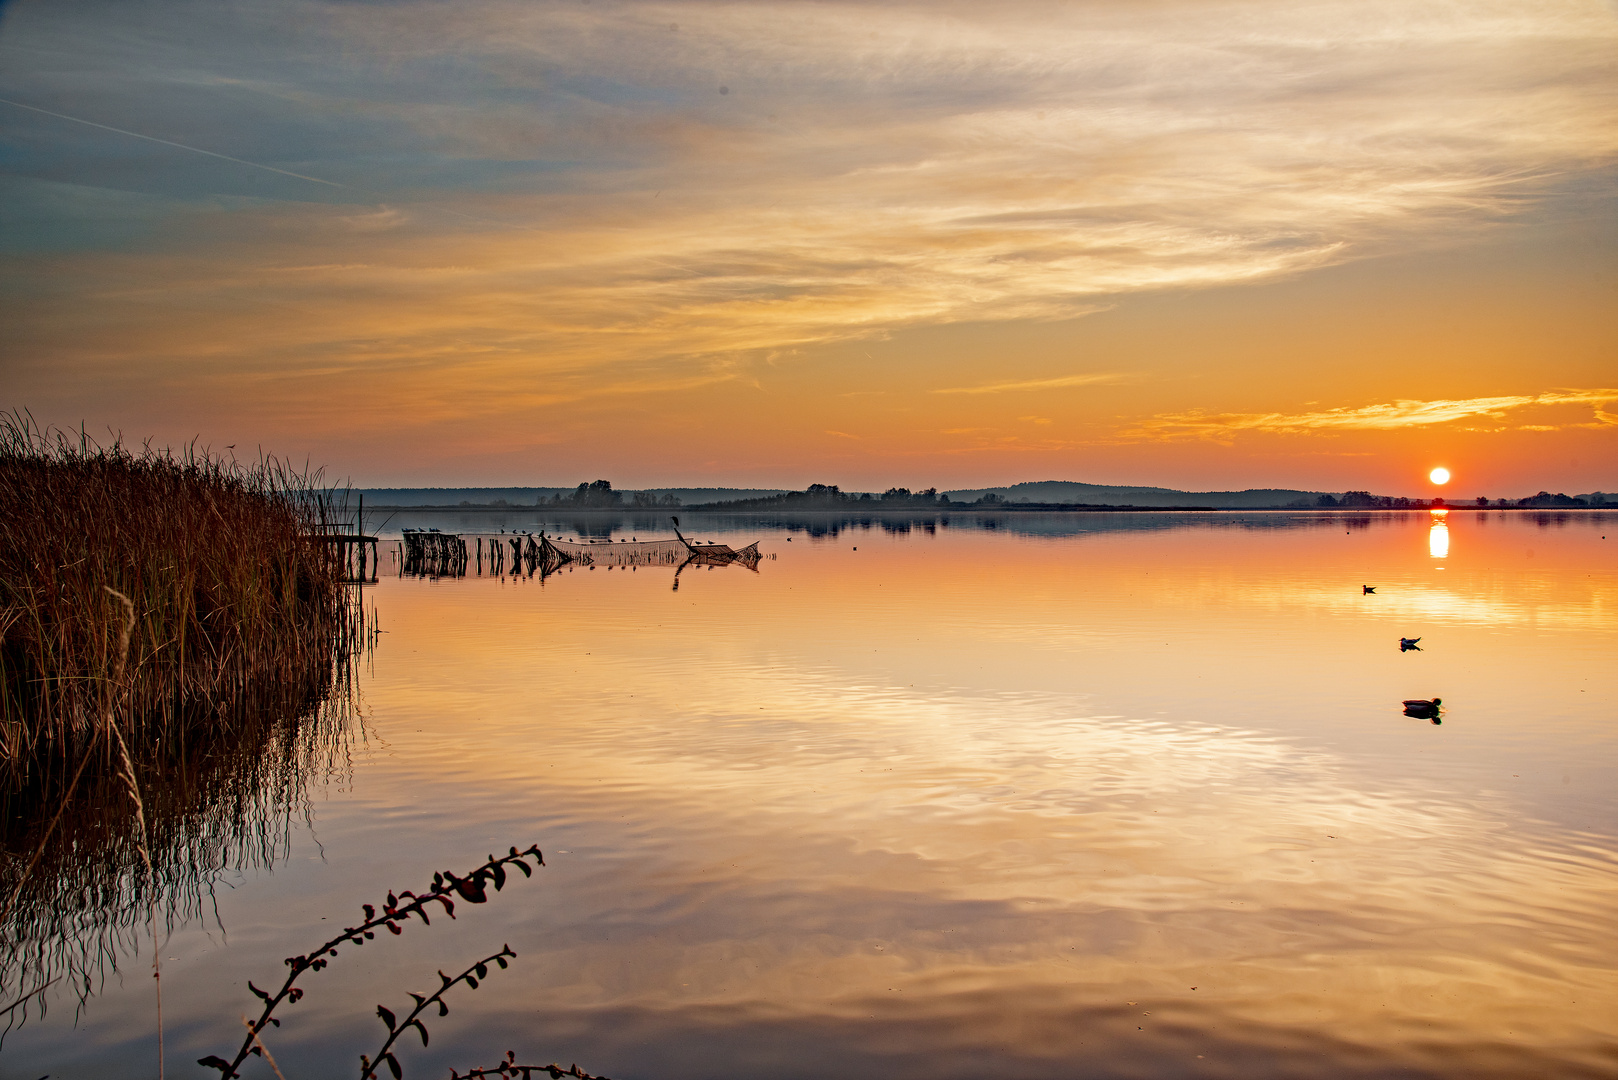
[
  {"x": 387, "y": 1017},
  {"x": 419, "y": 1026},
  {"x": 393, "y": 1065}
]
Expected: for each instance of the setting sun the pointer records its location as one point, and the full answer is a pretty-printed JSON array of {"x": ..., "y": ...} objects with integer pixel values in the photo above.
[{"x": 1439, "y": 475}]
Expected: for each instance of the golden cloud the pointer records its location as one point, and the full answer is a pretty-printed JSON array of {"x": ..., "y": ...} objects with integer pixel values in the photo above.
[
  {"x": 1033, "y": 384},
  {"x": 1382, "y": 417}
]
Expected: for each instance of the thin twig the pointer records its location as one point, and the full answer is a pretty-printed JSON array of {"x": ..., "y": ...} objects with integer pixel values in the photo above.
[
  {"x": 263, "y": 1050},
  {"x": 22, "y": 1000},
  {"x": 133, "y": 785},
  {"x": 470, "y": 977},
  {"x": 44, "y": 840}
]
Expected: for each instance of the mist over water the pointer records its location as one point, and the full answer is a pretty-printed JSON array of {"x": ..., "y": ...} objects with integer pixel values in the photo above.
[{"x": 1109, "y": 795}]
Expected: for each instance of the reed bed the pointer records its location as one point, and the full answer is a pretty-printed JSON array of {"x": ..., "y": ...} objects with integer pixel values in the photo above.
[{"x": 241, "y": 609}]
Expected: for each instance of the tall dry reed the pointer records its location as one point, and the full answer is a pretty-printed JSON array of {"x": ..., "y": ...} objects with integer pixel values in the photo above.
[{"x": 240, "y": 608}]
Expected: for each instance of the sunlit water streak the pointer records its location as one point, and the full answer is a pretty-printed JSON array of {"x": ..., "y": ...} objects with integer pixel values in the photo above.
[{"x": 1065, "y": 797}]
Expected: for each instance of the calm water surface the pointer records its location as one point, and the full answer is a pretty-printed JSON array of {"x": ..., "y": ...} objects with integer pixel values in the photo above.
[{"x": 1101, "y": 796}]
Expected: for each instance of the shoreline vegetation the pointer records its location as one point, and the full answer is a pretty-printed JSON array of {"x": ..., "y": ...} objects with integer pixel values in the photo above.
[
  {"x": 146, "y": 745},
  {"x": 241, "y": 607},
  {"x": 177, "y": 643}
]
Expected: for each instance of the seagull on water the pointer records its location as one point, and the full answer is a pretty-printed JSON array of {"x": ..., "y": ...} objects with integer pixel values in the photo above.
[
  {"x": 1408, "y": 643},
  {"x": 1367, "y": 589}
]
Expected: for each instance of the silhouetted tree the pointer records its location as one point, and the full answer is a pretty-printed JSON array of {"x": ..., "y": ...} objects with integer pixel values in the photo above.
[
  {"x": 599, "y": 493},
  {"x": 1545, "y": 498}
]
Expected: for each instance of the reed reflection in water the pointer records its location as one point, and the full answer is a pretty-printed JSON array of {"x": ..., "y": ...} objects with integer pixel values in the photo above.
[
  {"x": 1072, "y": 795},
  {"x": 224, "y": 799}
]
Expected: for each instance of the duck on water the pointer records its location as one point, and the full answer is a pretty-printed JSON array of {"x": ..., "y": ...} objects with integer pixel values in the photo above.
[{"x": 1423, "y": 709}]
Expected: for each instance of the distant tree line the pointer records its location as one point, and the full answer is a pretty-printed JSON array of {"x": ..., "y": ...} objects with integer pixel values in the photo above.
[
  {"x": 830, "y": 496},
  {"x": 1364, "y": 500},
  {"x": 599, "y": 495}
]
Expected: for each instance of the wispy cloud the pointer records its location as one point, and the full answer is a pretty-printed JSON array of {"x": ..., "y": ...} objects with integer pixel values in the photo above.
[
  {"x": 872, "y": 167},
  {"x": 546, "y": 204},
  {"x": 1033, "y": 384},
  {"x": 1381, "y": 417}
]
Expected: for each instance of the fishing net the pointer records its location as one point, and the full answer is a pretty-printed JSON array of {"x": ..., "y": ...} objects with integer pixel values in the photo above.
[
  {"x": 620, "y": 552},
  {"x": 431, "y": 553}
]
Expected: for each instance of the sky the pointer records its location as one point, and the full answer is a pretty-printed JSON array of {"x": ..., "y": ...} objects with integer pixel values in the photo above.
[{"x": 1197, "y": 244}]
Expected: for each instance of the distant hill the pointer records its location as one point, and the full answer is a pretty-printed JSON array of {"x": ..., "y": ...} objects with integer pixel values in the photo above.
[
  {"x": 528, "y": 496},
  {"x": 1069, "y": 491}
]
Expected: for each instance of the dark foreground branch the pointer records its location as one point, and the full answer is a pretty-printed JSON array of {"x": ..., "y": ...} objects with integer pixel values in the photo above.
[
  {"x": 470, "y": 977},
  {"x": 473, "y": 888}
]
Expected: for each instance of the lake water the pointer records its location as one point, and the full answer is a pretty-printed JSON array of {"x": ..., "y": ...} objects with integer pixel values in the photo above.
[{"x": 1024, "y": 796}]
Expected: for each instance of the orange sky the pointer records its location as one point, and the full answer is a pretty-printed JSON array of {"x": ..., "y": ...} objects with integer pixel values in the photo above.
[{"x": 1205, "y": 245}]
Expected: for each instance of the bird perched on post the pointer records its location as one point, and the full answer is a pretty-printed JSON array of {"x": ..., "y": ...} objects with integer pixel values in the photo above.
[{"x": 1408, "y": 643}]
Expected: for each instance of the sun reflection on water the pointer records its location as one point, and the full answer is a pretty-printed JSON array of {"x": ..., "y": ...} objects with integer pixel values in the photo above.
[{"x": 1438, "y": 540}]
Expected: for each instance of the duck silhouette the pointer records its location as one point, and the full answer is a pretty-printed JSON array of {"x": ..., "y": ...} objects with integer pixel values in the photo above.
[
  {"x": 1422, "y": 709},
  {"x": 1367, "y": 589},
  {"x": 1408, "y": 643}
]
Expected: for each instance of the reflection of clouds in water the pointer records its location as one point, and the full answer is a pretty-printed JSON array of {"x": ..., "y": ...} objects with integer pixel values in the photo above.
[
  {"x": 870, "y": 817},
  {"x": 1486, "y": 604},
  {"x": 866, "y": 842}
]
